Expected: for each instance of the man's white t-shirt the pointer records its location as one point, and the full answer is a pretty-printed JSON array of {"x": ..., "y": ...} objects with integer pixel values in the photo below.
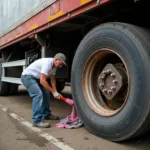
[{"x": 43, "y": 65}]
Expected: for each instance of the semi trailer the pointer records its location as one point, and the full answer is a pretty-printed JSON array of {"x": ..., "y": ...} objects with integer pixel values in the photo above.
[{"x": 107, "y": 45}]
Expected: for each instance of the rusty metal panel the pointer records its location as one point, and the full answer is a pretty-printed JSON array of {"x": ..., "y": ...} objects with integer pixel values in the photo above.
[
  {"x": 54, "y": 8},
  {"x": 58, "y": 12},
  {"x": 15, "y": 12}
]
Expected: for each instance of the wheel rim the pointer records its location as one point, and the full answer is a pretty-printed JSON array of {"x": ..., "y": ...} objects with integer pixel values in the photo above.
[{"x": 105, "y": 82}]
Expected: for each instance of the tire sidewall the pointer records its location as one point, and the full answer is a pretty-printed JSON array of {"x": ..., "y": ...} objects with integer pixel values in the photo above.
[{"x": 130, "y": 118}]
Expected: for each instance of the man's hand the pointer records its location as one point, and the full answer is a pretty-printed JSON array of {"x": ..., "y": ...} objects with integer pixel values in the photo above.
[{"x": 56, "y": 95}]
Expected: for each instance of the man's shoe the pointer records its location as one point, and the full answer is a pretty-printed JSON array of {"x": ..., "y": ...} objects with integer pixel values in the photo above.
[
  {"x": 41, "y": 125},
  {"x": 51, "y": 117}
]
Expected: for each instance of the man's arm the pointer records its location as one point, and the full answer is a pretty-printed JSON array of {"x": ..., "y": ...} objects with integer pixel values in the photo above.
[
  {"x": 44, "y": 83},
  {"x": 53, "y": 82}
]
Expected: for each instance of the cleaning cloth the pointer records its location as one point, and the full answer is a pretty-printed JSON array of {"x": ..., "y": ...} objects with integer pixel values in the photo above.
[{"x": 71, "y": 121}]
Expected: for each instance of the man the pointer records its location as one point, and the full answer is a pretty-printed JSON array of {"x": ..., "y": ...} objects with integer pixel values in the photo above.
[{"x": 34, "y": 78}]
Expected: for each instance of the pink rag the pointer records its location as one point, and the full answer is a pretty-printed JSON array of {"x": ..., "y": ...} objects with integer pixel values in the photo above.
[{"x": 70, "y": 120}]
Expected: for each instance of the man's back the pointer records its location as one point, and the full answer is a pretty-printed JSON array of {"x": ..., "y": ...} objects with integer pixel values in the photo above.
[{"x": 43, "y": 65}]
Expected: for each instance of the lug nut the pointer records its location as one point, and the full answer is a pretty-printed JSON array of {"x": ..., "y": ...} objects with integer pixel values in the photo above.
[
  {"x": 115, "y": 81},
  {"x": 104, "y": 72},
  {"x": 113, "y": 88},
  {"x": 113, "y": 75},
  {"x": 109, "y": 91},
  {"x": 108, "y": 71},
  {"x": 101, "y": 85},
  {"x": 104, "y": 90}
]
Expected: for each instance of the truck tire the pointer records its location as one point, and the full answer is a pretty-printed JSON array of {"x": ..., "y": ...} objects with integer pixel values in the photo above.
[
  {"x": 4, "y": 86},
  {"x": 13, "y": 89},
  {"x": 110, "y": 81}
]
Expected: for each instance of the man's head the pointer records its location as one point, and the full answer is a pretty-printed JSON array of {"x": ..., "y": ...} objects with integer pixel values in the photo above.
[{"x": 59, "y": 60}]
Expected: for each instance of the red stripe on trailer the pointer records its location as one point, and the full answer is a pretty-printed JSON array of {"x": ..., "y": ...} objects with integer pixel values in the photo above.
[{"x": 58, "y": 11}]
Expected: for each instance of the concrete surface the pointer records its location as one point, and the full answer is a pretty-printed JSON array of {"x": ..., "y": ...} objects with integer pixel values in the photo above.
[{"x": 15, "y": 136}]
